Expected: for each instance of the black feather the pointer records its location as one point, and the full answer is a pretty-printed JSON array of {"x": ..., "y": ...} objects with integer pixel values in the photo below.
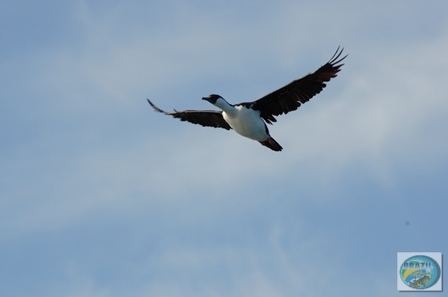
[
  {"x": 206, "y": 118},
  {"x": 294, "y": 94}
]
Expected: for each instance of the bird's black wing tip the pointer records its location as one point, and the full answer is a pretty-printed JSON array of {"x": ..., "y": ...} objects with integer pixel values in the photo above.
[
  {"x": 155, "y": 107},
  {"x": 335, "y": 58}
]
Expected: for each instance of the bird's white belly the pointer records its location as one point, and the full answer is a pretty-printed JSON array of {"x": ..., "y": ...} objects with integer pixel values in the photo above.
[{"x": 247, "y": 123}]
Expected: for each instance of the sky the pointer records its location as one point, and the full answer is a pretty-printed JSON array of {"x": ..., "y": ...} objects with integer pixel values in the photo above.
[{"x": 102, "y": 196}]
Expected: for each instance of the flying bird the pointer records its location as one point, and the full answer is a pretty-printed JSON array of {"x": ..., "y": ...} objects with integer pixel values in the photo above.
[{"x": 249, "y": 118}]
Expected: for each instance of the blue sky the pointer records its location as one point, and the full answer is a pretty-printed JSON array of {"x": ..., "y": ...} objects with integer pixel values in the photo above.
[{"x": 101, "y": 196}]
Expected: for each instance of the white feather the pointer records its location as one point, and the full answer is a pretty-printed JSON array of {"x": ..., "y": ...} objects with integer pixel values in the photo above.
[{"x": 246, "y": 122}]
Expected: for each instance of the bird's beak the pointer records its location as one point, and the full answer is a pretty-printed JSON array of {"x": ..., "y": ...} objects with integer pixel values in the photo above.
[{"x": 206, "y": 99}]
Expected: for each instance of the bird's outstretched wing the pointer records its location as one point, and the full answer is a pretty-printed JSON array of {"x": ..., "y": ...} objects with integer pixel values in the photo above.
[
  {"x": 294, "y": 94},
  {"x": 206, "y": 118}
]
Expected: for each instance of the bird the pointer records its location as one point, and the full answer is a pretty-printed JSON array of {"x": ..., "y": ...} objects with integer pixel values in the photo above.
[{"x": 249, "y": 119}]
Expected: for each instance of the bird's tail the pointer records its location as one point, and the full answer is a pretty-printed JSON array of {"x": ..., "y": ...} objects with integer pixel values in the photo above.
[{"x": 272, "y": 144}]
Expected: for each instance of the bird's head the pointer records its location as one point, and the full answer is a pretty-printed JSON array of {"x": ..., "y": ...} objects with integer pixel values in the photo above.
[{"x": 212, "y": 98}]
